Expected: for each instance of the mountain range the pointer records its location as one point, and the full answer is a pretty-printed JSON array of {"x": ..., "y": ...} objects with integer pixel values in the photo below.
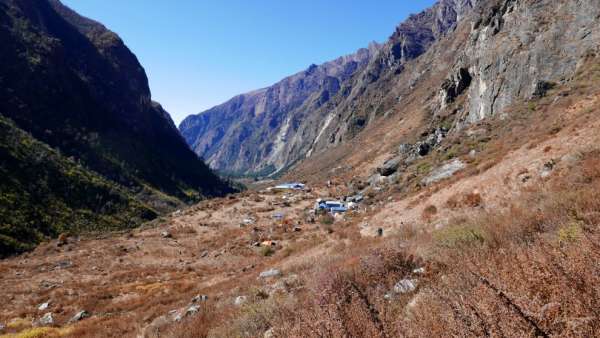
[
  {"x": 84, "y": 145},
  {"x": 450, "y": 66}
]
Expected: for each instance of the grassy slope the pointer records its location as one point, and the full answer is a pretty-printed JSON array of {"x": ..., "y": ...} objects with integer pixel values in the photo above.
[
  {"x": 528, "y": 269},
  {"x": 43, "y": 194}
]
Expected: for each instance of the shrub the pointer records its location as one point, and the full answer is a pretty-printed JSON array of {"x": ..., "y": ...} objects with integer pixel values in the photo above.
[
  {"x": 472, "y": 200},
  {"x": 326, "y": 219},
  {"x": 266, "y": 251},
  {"x": 461, "y": 235},
  {"x": 429, "y": 212},
  {"x": 570, "y": 233}
]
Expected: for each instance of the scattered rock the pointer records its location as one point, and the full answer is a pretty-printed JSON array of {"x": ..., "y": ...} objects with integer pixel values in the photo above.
[
  {"x": 204, "y": 254},
  {"x": 269, "y": 333},
  {"x": 390, "y": 166},
  {"x": 270, "y": 273},
  {"x": 79, "y": 316},
  {"x": 44, "y": 306},
  {"x": 404, "y": 148},
  {"x": 192, "y": 310},
  {"x": 297, "y": 229},
  {"x": 419, "y": 271},
  {"x": 541, "y": 88},
  {"x": 247, "y": 221},
  {"x": 375, "y": 179},
  {"x": 445, "y": 171},
  {"x": 268, "y": 243},
  {"x": 200, "y": 298},
  {"x": 423, "y": 149},
  {"x": 47, "y": 284},
  {"x": 547, "y": 168},
  {"x": 64, "y": 264},
  {"x": 46, "y": 320},
  {"x": 405, "y": 286},
  {"x": 239, "y": 300}
]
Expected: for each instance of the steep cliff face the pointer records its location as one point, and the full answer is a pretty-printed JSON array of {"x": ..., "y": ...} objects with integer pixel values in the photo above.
[
  {"x": 266, "y": 130},
  {"x": 452, "y": 65},
  {"x": 520, "y": 49},
  {"x": 74, "y": 85},
  {"x": 70, "y": 84},
  {"x": 498, "y": 53}
]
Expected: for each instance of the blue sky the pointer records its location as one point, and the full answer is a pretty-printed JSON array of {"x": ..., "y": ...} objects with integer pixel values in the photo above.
[{"x": 200, "y": 53}]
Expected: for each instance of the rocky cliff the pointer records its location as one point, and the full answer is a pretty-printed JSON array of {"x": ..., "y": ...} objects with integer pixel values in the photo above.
[
  {"x": 498, "y": 53},
  {"x": 70, "y": 84},
  {"x": 266, "y": 130},
  {"x": 452, "y": 65},
  {"x": 269, "y": 130}
]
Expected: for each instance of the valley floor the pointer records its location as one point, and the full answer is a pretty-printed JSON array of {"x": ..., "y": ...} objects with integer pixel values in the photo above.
[{"x": 506, "y": 247}]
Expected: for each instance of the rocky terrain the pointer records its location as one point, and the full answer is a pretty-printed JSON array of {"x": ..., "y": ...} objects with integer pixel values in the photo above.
[
  {"x": 265, "y": 131},
  {"x": 505, "y": 245},
  {"x": 70, "y": 84},
  {"x": 478, "y": 166},
  {"x": 268, "y": 131}
]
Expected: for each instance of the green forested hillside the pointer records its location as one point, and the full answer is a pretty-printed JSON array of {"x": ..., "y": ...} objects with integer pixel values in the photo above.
[
  {"x": 70, "y": 85},
  {"x": 43, "y": 193}
]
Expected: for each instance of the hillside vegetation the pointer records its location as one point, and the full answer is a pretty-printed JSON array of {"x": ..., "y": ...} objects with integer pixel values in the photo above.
[
  {"x": 72, "y": 92},
  {"x": 44, "y": 194}
]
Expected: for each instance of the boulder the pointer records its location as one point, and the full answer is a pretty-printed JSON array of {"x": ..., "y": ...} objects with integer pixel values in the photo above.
[
  {"x": 192, "y": 310},
  {"x": 390, "y": 166},
  {"x": 269, "y": 333},
  {"x": 270, "y": 273},
  {"x": 44, "y": 306},
  {"x": 166, "y": 234},
  {"x": 445, "y": 171},
  {"x": 423, "y": 149},
  {"x": 375, "y": 179},
  {"x": 406, "y": 286},
  {"x": 541, "y": 88},
  {"x": 404, "y": 148},
  {"x": 47, "y": 319},
  {"x": 200, "y": 298},
  {"x": 240, "y": 300},
  {"x": 547, "y": 168},
  {"x": 79, "y": 316}
]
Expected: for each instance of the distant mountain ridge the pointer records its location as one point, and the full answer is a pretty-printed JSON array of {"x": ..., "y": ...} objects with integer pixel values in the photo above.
[
  {"x": 236, "y": 137},
  {"x": 68, "y": 82},
  {"x": 258, "y": 132}
]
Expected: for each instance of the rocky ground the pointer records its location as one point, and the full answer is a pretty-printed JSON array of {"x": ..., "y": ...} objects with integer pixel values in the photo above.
[
  {"x": 150, "y": 277},
  {"x": 226, "y": 252},
  {"x": 254, "y": 262}
]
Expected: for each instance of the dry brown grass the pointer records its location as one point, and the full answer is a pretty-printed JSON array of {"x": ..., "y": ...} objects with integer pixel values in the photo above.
[{"x": 528, "y": 271}]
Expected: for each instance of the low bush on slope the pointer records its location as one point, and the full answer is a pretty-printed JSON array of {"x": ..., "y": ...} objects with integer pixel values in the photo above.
[
  {"x": 42, "y": 194},
  {"x": 528, "y": 271}
]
